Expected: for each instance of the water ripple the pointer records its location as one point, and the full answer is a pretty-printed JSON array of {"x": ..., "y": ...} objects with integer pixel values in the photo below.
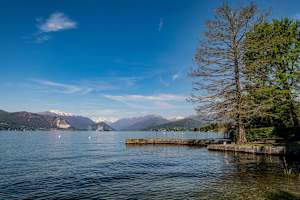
[{"x": 38, "y": 165}]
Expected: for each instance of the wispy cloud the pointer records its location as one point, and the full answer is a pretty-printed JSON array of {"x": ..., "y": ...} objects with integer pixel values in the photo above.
[
  {"x": 163, "y": 82},
  {"x": 62, "y": 88},
  {"x": 175, "y": 76},
  {"x": 85, "y": 86},
  {"x": 112, "y": 82},
  {"x": 42, "y": 38},
  {"x": 57, "y": 21},
  {"x": 100, "y": 115},
  {"x": 148, "y": 102},
  {"x": 159, "y": 97},
  {"x": 161, "y": 24}
]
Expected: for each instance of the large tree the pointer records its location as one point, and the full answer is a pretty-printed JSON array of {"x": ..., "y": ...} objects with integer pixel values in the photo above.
[
  {"x": 218, "y": 85},
  {"x": 273, "y": 70}
]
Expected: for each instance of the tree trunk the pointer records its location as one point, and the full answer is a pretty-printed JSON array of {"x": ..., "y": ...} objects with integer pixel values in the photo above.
[
  {"x": 241, "y": 130},
  {"x": 242, "y": 135}
]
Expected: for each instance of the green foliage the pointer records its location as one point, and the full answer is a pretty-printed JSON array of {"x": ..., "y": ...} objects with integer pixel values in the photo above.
[
  {"x": 219, "y": 86},
  {"x": 209, "y": 127},
  {"x": 254, "y": 134},
  {"x": 273, "y": 71},
  {"x": 218, "y": 127},
  {"x": 250, "y": 70},
  {"x": 233, "y": 134},
  {"x": 287, "y": 171},
  {"x": 259, "y": 134},
  {"x": 179, "y": 125}
]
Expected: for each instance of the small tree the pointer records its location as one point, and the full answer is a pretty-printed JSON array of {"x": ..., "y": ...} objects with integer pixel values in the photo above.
[
  {"x": 273, "y": 70},
  {"x": 218, "y": 85}
]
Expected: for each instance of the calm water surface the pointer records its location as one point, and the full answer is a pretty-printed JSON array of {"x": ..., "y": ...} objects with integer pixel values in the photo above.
[{"x": 94, "y": 165}]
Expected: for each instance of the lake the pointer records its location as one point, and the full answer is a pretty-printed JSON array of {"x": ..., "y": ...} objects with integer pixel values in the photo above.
[{"x": 98, "y": 165}]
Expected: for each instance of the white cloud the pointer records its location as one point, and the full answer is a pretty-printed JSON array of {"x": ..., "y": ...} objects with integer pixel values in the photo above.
[
  {"x": 160, "y": 103},
  {"x": 57, "y": 21},
  {"x": 175, "y": 118},
  {"x": 161, "y": 24},
  {"x": 163, "y": 105},
  {"x": 62, "y": 88},
  {"x": 160, "y": 97},
  {"x": 105, "y": 119},
  {"x": 175, "y": 76},
  {"x": 85, "y": 86}
]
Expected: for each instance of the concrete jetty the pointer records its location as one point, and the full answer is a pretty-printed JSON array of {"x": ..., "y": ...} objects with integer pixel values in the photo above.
[
  {"x": 220, "y": 145},
  {"x": 256, "y": 149},
  {"x": 166, "y": 141}
]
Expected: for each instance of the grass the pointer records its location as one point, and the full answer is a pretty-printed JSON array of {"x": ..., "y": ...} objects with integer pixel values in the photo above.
[{"x": 286, "y": 170}]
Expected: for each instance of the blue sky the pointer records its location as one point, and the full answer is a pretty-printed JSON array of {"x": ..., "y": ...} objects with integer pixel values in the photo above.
[{"x": 104, "y": 59}]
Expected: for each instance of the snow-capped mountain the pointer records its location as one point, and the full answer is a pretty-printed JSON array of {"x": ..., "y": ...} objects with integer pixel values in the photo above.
[
  {"x": 175, "y": 118},
  {"x": 108, "y": 120},
  {"x": 60, "y": 113},
  {"x": 76, "y": 121}
]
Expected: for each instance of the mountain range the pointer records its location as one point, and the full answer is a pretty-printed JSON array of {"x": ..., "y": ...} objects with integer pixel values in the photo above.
[
  {"x": 48, "y": 120},
  {"x": 59, "y": 120},
  {"x": 75, "y": 121},
  {"x": 138, "y": 123},
  {"x": 188, "y": 123}
]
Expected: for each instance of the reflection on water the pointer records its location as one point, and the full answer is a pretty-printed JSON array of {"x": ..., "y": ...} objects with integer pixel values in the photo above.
[
  {"x": 86, "y": 165},
  {"x": 254, "y": 177}
]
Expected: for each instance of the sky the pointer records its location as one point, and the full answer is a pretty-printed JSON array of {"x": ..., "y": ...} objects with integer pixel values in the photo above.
[{"x": 105, "y": 59}]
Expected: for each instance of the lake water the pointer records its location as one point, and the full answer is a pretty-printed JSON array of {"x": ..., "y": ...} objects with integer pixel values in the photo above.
[{"x": 95, "y": 165}]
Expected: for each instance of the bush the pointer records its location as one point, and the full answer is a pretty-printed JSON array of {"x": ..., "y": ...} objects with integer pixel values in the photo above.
[
  {"x": 209, "y": 127},
  {"x": 258, "y": 134},
  {"x": 232, "y": 133},
  {"x": 254, "y": 134}
]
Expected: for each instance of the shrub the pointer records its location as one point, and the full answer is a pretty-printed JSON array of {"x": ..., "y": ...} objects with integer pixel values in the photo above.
[
  {"x": 258, "y": 134},
  {"x": 254, "y": 134}
]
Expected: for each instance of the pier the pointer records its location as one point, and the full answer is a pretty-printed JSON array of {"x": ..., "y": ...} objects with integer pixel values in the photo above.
[
  {"x": 166, "y": 141},
  {"x": 279, "y": 150},
  {"x": 224, "y": 145}
]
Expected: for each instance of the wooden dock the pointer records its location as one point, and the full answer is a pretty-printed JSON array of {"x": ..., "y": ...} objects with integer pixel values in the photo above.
[{"x": 166, "y": 141}]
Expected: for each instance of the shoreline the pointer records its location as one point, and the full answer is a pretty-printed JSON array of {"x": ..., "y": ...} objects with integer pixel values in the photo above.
[{"x": 224, "y": 145}]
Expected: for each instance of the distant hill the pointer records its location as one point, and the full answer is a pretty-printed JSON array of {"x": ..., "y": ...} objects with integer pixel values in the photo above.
[
  {"x": 189, "y": 123},
  {"x": 60, "y": 120},
  {"x": 26, "y": 121},
  {"x": 47, "y": 121},
  {"x": 139, "y": 123},
  {"x": 76, "y": 121}
]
